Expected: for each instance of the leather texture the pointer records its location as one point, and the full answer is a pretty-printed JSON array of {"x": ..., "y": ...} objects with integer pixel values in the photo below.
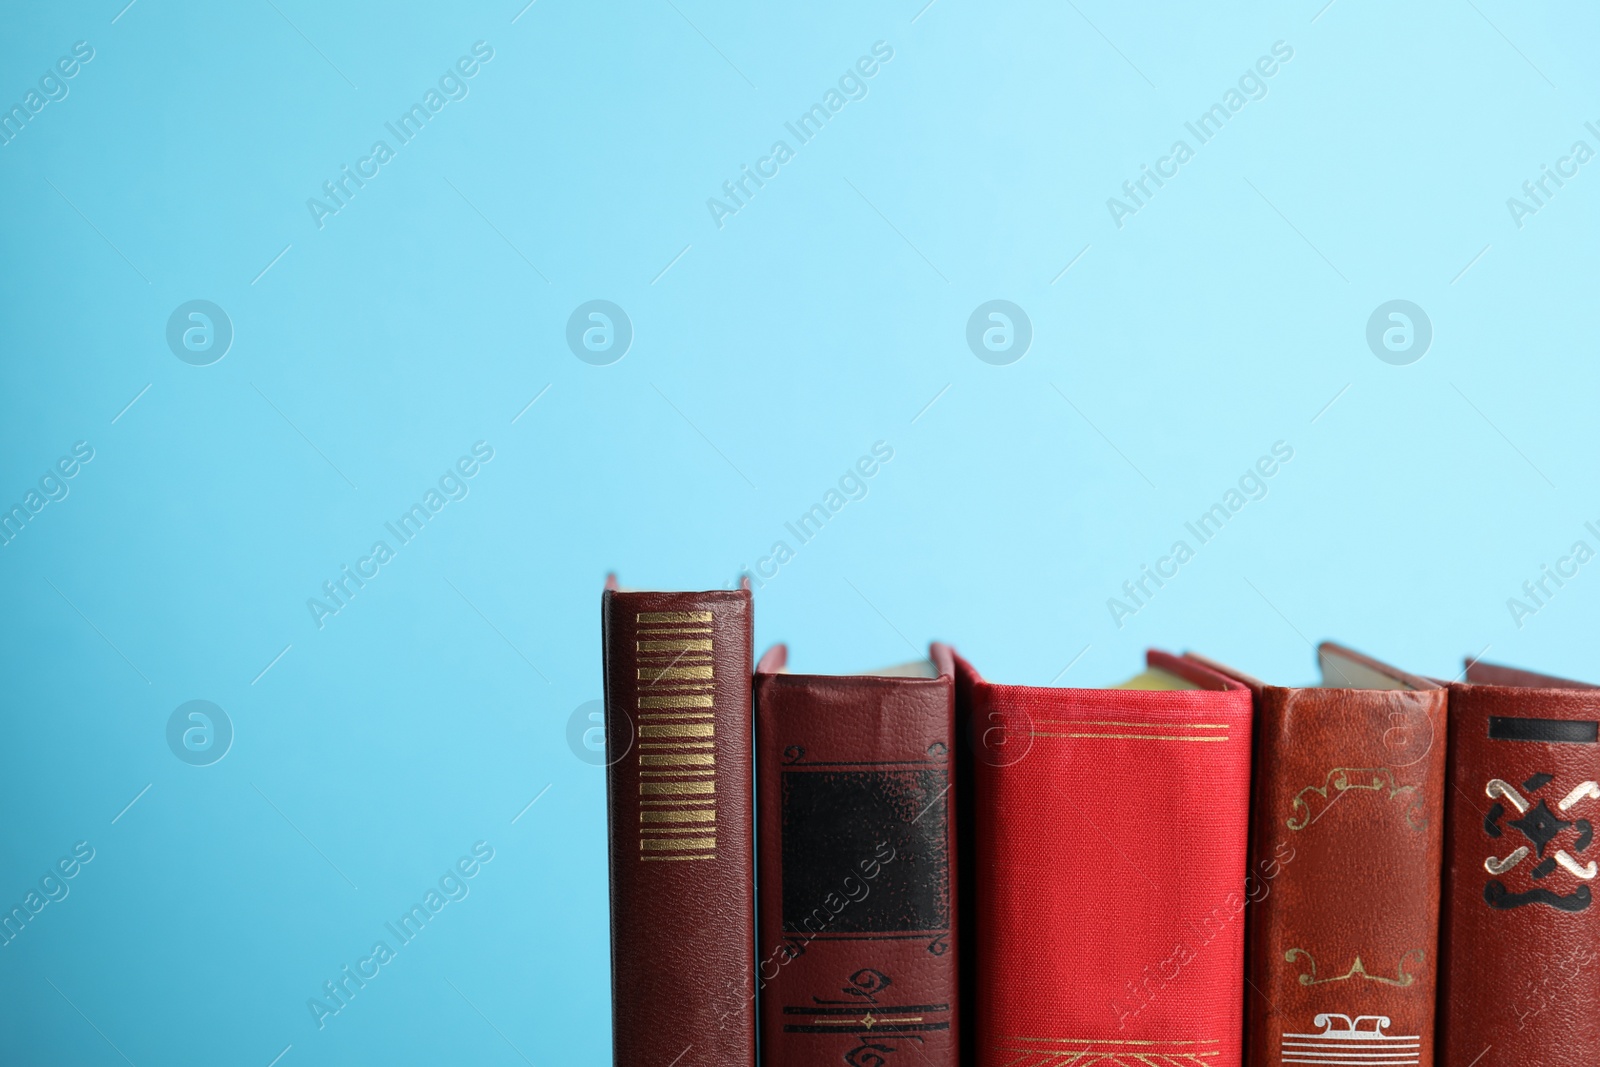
[
  {"x": 1522, "y": 978},
  {"x": 680, "y": 816},
  {"x": 1346, "y": 848},
  {"x": 1109, "y": 833},
  {"x": 857, "y": 956}
]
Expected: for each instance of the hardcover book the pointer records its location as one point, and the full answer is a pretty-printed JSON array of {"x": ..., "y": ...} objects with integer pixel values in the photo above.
[
  {"x": 1108, "y": 875},
  {"x": 680, "y": 817},
  {"x": 1346, "y": 848},
  {"x": 1522, "y": 931},
  {"x": 857, "y": 950}
]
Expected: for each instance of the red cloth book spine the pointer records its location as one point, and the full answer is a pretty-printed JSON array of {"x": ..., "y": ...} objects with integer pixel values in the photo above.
[
  {"x": 680, "y": 814},
  {"x": 857, "y": 952},
  {"x": 1109, "y": 870},
  {"x": 1521, "y": 983}
]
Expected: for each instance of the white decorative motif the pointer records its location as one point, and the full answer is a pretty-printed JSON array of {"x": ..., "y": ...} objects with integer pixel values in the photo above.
[
  {"x": 1587, "y": 873},
  {"x": 1496, "y": 866},
  {"x": 1344, "y": 1041},
  {"x": 1502, "y": 791},
  {"x": 1586, "y": 791}
]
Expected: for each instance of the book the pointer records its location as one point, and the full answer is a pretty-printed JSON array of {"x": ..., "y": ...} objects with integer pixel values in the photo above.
[
  {"x": 857, "y": 949},
  {"x": 1346, "y": 848},
  {"x": 1521, "y": 928},
  {"x": 680, "y": 817},
  {"x": 1107, "y": 875}
]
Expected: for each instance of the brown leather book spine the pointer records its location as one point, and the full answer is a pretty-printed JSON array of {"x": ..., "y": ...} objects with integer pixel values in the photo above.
[
  {"x": 857, "y": 951},
  {"x": 1346, "y": 849},
  {"x": 1522, "y": 929},
  {"x": 680, "y": 815}
]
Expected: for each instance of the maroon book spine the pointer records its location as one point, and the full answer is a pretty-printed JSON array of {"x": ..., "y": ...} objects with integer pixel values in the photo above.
[
  {"x": 1521, "y": 926},
  {"x": 680, "y": 815},
  {"x": 857, "y": 951}
]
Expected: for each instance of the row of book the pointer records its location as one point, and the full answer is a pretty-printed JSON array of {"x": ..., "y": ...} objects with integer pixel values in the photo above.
[{"x": 921, "y": 867}]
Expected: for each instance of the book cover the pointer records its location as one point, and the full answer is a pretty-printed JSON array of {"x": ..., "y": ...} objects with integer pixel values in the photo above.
[
  {"x": 680, "y": 813},
  {"x": 1346, "y": 848},
  {"x": 1108, "y": 868},
  {"x": 857, "y": 950},
  {"x": 1521, "y": 928}
]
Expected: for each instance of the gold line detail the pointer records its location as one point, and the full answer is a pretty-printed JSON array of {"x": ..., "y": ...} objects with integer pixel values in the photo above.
[
  {"x": 676, "y": 701},
  {"x": 1113, "y": 1041},
  {"x": 676, "y": 644},
  {"x": 686, "y": 759},
  {"x": 679, "y": 815},
  {"x": 646, "y": 617},
  {"x": 1133, "y": 737},
  {"x": 676, "y": 844},
  {"x": 676, "y": 789},
  {"x": 664, "y": 859},
  {"x": 1146, "y": 725},
  {"x": 677, "y": 729},
  {"x": 651, "y": 675}
]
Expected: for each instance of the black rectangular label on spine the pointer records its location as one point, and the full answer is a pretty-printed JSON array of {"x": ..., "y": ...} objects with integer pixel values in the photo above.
[{"x": 1559, "y": 731}]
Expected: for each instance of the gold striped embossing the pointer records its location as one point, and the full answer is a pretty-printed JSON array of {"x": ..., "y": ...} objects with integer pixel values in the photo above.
[
  {"x": 647, "y": 617},
  {"x": 674, "y": 659}
]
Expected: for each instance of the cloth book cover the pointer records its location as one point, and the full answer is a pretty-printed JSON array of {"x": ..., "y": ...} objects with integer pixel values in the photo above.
[
  {"x": 680, "y": 807},
  {"x": 1346, "y": 849},
  {"x": 1108, "y": 839},
  {"x": 857, "y": 953},
  {"x": 1521, "y": 928}
]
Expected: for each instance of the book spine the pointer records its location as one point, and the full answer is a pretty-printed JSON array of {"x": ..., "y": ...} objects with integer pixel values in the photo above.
[
  {"x": 1109, "y": 875},
  {"x": 1521, "y": 927},
  {"x": 680, "y": 815},
  {"x": 857, "y": 951},
  {"x": 1346, "y": 852}
]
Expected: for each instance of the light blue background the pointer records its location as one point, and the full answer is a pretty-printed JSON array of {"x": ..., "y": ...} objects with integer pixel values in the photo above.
[{"x": 770, "y": 353}]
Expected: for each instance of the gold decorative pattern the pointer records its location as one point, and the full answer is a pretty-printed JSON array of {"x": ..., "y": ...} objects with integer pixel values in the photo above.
[
  {"x": 1107, "y": 1052},
  {"x": 1346, "y": 779},
  {"x": 1358, "y": 969},
  {"x": 677, "y": 788}
]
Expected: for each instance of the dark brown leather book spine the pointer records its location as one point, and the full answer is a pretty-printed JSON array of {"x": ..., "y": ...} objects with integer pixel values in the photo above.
[
  {"x": 680, "y": 814},
  {"x": 1522, "y": 929},
  {"x": 1346, "y": 848},
  {"x": 857, "y": 949}
]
